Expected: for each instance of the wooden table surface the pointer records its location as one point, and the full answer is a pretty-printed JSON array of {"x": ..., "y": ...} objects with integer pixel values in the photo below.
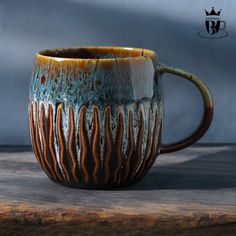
[{"x": 190, "y": 192}]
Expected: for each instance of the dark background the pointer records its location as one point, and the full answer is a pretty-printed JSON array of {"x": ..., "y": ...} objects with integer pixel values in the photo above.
[{"x": 169, "y": 27}]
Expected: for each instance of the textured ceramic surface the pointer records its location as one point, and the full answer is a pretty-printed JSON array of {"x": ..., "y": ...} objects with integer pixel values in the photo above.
[
  {"x": 96, "y": 114},
  {"x": 96, "y": 122}
]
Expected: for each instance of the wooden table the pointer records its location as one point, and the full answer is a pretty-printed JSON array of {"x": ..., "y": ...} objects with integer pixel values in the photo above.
[{"x": 190, "y": 192}]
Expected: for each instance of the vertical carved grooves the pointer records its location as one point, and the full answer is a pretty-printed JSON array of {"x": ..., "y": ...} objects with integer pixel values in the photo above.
[
  {"x": 147, "y": 150},
  {"x": 107, "y": 144},
  {"x": 130, "y": 154},
  {"x": 51, "y": 144},
  {"x": 118, "y": 142},
  {"x": 38, "y": 145},
  {"x": 155, "y": 143},
  {"x": 43, "y": 123},
  {"x": 61, "y": 143},
  {"x": 62, "y": 164},
  {"x": 158, "y": 143},
  {"x": 138, "y": 156},
  {"x": 32, "y": 132},
  {"x": 71, "y": 146},
  {"x": 153, "y": 153},
  {"x": 159, "y": 137},
  {"x": 95, "y": 137},
  {"x": 77, "y": 141},
  {"x": 83, "y": 144}
]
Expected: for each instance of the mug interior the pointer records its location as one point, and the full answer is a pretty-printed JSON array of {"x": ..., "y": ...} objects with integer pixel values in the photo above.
[{"x": 97, "y": 53}]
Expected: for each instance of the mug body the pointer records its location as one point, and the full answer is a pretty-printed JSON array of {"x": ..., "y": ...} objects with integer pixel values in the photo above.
[{"x": 95, "y": 115}]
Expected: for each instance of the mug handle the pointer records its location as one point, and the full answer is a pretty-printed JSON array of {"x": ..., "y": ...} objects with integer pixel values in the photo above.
[{"x": 207, "y": 116}]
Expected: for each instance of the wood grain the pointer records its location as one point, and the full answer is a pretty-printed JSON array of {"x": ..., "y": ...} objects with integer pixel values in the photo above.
[{"x": 191, "y": 192}]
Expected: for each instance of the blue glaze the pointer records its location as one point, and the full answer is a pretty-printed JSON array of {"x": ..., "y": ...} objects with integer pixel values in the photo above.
[{"x": 100, "y": 84}]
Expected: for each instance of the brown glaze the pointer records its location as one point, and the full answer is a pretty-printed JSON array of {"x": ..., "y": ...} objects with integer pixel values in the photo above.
[
  {"x": 118, "y": 148},
  {"x": 129, "y": 161},
  {"x": 138, "y": 154},
  {"x": 71, "y": 146},
  {"x": 95, "y": 147},
  {"x": 45, "y": 148},
  {"x": 51, "y": 145},
  {"x": 61, "y": 143},
  {"x": 83, "y": 145},
  {"x": 88, "y": 163},
  {"x": 107, "y": 144},
  {"x": 207, "y": 116},
  {"x": 147, "y": 150}
]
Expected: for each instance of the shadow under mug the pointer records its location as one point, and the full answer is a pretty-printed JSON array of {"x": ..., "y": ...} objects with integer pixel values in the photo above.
[{"x": 96, "y": 114}]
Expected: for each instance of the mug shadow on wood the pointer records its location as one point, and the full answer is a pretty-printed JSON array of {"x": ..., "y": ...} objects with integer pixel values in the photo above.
[{"x": 212, "y": 171}]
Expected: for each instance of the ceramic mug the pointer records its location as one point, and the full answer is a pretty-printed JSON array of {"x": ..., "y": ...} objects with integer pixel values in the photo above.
[{"x": 96, "y": 114}]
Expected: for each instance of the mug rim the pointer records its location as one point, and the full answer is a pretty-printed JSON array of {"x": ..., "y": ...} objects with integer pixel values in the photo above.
[{"x": 51, "y": 54}]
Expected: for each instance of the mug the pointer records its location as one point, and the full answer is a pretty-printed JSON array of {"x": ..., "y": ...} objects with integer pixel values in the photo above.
[{"x": 96, "y": 114}]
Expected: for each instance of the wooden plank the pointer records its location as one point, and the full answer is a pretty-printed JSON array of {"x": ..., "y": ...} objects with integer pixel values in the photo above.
[{"x": 190, "y": 191}]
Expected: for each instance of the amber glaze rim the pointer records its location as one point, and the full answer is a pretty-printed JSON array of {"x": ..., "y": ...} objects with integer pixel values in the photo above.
[{"x": 148, "y": 54}]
